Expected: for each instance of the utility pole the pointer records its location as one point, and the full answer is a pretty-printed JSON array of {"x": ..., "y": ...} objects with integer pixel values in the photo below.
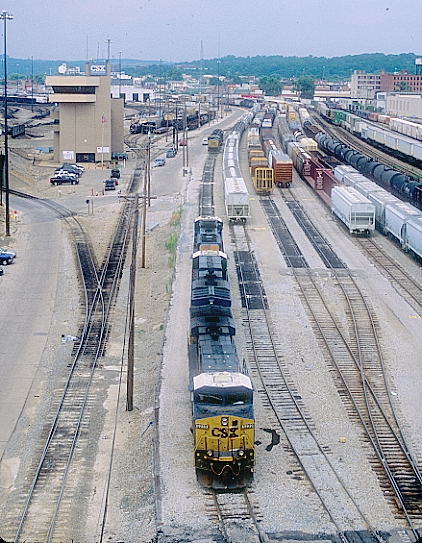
[
  {"x": 218, "y": 79},
  {"x": 32, "y": 83},
  {"x": 6, "y": 16},
  {"x": 134, "y": 198},
  {"x": 120, "y": 74},
  {"x": 144, "y": 212},
  {"x": 108, "y": 50},
  {"x": 148, "y": 170},
  {"x": 131, "y": 342},
  {"x": 184, "y": 134},
  {"x": 200, "y": 83}
]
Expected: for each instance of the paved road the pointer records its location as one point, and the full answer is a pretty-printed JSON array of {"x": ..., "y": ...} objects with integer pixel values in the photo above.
[{"x": 27, "y": 294}]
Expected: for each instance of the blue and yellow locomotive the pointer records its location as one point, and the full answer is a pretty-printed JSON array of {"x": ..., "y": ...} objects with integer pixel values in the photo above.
[{"x": 222, "y": 394}]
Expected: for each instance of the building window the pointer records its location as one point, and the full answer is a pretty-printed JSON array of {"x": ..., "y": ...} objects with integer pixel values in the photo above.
[{"x": 74, "y": 90}]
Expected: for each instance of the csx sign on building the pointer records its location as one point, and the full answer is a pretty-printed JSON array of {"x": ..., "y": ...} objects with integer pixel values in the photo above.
[{"x": 98, "y": 69}]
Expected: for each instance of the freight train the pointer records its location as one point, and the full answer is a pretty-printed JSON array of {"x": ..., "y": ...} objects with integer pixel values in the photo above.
[
  {"x": 399, "y": 220},
  {"x": 15, "y": 130},
  {"x": 393, "y": 217},
  {"x": 398, "y": 183},
  {"x": 280, "y": 163},
  {"x": 236, "y": 196},
  {"x": 222, "y": 393},
  {"x": 396, "y": 144}
]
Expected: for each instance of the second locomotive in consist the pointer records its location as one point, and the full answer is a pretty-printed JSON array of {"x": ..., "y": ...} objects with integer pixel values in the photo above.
[
  {"x": 215, "y": 140},
  {"x": 222, "y": 394}
]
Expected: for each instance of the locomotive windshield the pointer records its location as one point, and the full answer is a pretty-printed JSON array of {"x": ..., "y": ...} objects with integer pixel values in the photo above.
[{"x": 224, "y": 397}]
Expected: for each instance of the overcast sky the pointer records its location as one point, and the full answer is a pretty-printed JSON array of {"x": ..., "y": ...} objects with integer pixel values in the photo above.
[{"x": 173, "y": 29}]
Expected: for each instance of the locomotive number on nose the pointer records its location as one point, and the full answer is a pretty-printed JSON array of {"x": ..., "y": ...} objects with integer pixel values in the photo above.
[{"x": 225, "y": 432}]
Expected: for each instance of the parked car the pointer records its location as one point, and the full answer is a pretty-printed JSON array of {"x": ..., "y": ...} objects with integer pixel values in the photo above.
[
  {"x": 159, "y": 162},
  {"x": 66, "y": 172},
  {"x": 110, "y": 184},
  {"x": 115, "y": 172},
  {"x": 58, "y": 179},
  {"x": 73, "y": 168},
  {"x": 171, "y": 152},
  {"x": 9, "y": 251},
  {"x": 1, "y": 271},
  {"x": 6, "y": 257}
]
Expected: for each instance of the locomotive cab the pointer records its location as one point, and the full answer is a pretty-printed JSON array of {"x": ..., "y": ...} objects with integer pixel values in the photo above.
[{"x": 223, "y": 429}]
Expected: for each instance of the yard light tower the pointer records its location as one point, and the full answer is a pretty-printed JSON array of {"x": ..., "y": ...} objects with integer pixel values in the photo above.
[{"x": 5, "y": 16}]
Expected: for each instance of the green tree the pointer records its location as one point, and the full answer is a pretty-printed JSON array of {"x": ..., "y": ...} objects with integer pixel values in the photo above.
[
  {"x": 271, "y": 85},
  {"x": 236, "y": 80},
  {"x": 16, "y": 77},
  {"x": 402, "y": 86},
  {"x": 305, "y": 86}
]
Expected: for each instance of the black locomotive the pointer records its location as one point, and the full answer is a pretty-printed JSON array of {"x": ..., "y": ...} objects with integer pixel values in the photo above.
[{"x": 222, "y": 394}]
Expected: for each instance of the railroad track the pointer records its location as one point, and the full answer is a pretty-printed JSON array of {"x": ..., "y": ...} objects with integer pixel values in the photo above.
[
  {"x": 365, "y": 148},
  {"x": 279, "y": 394},
  {"x": 356, "y": 356},
  {"x": 407, "y": 286},
  {"x": 45, "y": 505},
  {"x": 233, "y": 511},
  {"x": 321, "y": 245},
  {"x": 206, "y": 193}
]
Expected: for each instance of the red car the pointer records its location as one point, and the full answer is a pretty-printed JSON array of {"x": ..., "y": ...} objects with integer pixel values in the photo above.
[{"x": 182, "y": 142}]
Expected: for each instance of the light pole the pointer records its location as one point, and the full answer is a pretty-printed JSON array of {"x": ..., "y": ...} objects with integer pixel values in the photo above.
[
  {"x": 120, "y": 74},
  {"x": 5, "y": 16},
  {"x": 32, "y": 83}
]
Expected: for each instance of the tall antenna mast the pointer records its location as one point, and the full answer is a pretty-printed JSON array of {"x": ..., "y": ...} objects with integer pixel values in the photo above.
[
  {"x": 200, "y": 83},
  {"x": 108, "y": 50},
  {"x": 218, "y": 78}
]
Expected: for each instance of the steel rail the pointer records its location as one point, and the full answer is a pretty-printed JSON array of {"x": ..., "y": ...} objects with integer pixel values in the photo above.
[
  {"x": 299, "y": 412},
  {"x": 90, "y": 310}
]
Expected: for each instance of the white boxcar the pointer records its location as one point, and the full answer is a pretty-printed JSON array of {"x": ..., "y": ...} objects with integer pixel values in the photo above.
[
  {"x": 417, "y": 150},
  {"x": 414, "y": 235},
  {"x": 376, "y": 134},
  {"x": 353, "y": 209},
  {"x": 409, "y": 128},
  {"x": 340, "y": 171},
  {"x": 396, "y": 216},
  {"x": 391, "y": 140},
  {"x": 404, "y": 145},
  {"x": 236, "y": 198},
  {"x": 352, "y": 179},
  {"x": 366, "y": 187},
  {"x": 380, "y": 199}
]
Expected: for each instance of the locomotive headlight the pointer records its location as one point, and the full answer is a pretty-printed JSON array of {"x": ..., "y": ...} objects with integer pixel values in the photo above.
[
  {"x": 209, "y": 452},
  {"x": 224, "y": 421},
  {"x": 241, "y": 452}
]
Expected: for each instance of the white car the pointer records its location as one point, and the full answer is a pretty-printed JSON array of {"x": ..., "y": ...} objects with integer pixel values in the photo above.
[
  {"x": 204, "y": 141},
  {"x": 65, "y": 172}
]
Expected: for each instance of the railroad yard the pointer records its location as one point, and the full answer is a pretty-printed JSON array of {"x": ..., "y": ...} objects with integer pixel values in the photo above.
[{"x": 328, "y": 326}]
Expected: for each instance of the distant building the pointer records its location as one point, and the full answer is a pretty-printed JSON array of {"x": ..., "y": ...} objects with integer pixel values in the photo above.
[
  {"x": 90, "y": 121},
  {"x": 365, "y": 85},
  {"x": 404, "y": 105}
]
